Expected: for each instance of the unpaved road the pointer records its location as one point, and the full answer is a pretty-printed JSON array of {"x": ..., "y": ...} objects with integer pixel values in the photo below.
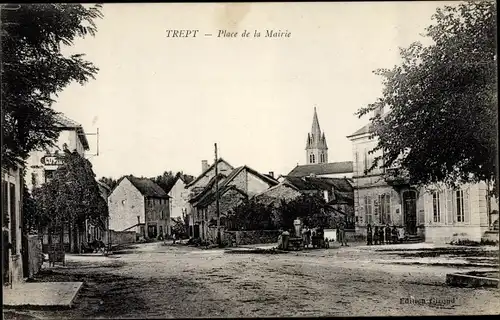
[{"x": 161, "y": 281}]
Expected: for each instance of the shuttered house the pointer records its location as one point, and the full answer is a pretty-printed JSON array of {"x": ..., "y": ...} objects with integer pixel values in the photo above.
[
  {"x": 435, "y": 214},
  {"x": 140, "y": 205}
]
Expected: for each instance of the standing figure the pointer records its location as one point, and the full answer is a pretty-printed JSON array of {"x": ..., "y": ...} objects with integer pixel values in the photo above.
[
  {"x": 369, "y": 235},
  {"x": 394, "y": 234},
  {"x": 376, "y": 240},
  {"x": 308, "y": 237},
  {"x": 342, "y": 234},
  {"x": 381, "y": 234},
  {"x": 286, "y": 237},
  {"x": 388, "y": 234}
]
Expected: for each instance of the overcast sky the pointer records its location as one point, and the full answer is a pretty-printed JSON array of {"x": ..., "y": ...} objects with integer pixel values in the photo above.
[{"x": 161, "y": 103}]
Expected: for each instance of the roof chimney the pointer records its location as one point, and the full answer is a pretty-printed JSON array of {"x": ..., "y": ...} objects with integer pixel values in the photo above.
[
  {"x": 204, "y": 165},
  {"x": 271, "y": 174}
]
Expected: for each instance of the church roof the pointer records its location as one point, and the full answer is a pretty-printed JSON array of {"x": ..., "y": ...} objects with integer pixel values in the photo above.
[
  {"x": 316, "y": 138},
  {"x": 322, "y": 169},
  {"x": 315, "y": 124}
]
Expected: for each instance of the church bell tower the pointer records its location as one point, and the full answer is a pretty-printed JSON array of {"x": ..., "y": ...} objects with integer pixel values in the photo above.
[{"x": 316, "y": 148}]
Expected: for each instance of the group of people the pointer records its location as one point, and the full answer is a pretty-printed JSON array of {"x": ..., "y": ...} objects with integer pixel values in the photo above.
[{"x": 382, "y": 235}]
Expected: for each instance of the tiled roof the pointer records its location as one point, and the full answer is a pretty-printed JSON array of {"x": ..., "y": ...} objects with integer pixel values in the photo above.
[
  {"x": 236, "y": 171},
  {"x": 367, "y": 128},
  {"x": 274, "y": 195},
  {"x": 147, "y": 187},
  {"x": 208, "y": 192},
  {"x": 319, "y": 183},
  {"x": 207, "y": 188},
  {"x": 209, "y": 168},
  {"x": 322, "y": 168},
  {"x": 64, "y": 122},
  {"x": 210, "y": 197}
]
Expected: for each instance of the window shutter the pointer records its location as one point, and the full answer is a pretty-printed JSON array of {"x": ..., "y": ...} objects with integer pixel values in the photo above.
[
  {"x": 428, "y": 208},
  {"x": 466, "y": 206},
  {"x": 442, "y": 206},
  {"x": 449, "y": 207}
]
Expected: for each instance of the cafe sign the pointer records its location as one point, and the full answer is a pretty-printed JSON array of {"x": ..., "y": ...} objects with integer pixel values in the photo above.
[{"x": 52, "y": 160}]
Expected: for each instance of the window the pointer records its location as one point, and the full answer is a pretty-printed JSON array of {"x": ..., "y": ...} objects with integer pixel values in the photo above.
[
  {"x": 366, "y": 163},
  {"x": 49, "y": 175},
  {"x": 459, "y": 195},
  {"x": 34, "y": 179},
  {"x": 383, "y": 207},
  {"x": 312, "y": 158},
  {"x": 436, "y": 210},
  {"x": 368, "y": 209},
  {"x": 5, "y": 204},
  {"x": 13, "y": 220},
  {"x": 356, "y": 161}
]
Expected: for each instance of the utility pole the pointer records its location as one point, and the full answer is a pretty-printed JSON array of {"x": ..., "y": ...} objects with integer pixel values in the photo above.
[{"x": 217, "y": 196}]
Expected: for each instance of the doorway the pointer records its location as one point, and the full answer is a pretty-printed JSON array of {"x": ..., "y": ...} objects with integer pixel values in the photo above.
[
  {"x": 410, "y": 211},
  {"x": 152, "y": 233}
]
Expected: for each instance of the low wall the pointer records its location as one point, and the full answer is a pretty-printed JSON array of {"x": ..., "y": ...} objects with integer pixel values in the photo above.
[
  {"x": 251, "y": 237},
  {"x": 490, "y": 236},
  {"x": 447, "y": 234},
  {"x": 35, "y": 255},
  {"x": 122, "y": 237}
]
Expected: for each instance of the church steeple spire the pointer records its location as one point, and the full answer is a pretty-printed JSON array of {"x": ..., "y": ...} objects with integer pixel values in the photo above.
[
  {"x": 316, "y": 147},
  {"x": 315, "y": 129}
]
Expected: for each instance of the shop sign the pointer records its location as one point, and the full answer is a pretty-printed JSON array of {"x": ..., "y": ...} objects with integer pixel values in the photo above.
[{"x": 52, "y": 160}]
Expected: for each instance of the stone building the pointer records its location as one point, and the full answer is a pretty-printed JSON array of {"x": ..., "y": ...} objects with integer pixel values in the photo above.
[
  {"x": 139, "y": 204},
  {"x": 435, "y": 213},
  {"x": 242, "y": 183},
  {"x": 179, "y": 196},
  {"x": 41, "y": 164},
  {"x": 199, "y": 184}
]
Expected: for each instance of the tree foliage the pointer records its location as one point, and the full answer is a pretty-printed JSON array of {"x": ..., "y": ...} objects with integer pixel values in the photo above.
[
  {"x": 109, "y": 181},
  {"x": 180, "y": 227},
  {"x": 73, "y": 194},
  {"x": 310, "y": 209},
  {"x": 252, "y": 215},
  {"x": 442, "y": 124},
  {"x": 34, "y": 70}
]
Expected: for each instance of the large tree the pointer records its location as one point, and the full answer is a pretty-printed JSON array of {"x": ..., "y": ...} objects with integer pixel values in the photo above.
[
  {"x": 34, "y": 70},
  {"x": 442, "y": 123},
  {"x": 72, "y": 196}
]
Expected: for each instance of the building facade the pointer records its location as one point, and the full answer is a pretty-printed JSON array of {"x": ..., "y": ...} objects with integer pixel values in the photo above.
[
  {"x": 179, "y": 198},
  {"x": 12, "y": 235},
  {"x": 242, "y": 183},
  {"x": 435, "y": 214},
  {"x": 199, "y": 184},
  {"x": 41, "y": 164},
  {"x": 140, "y": 205}
]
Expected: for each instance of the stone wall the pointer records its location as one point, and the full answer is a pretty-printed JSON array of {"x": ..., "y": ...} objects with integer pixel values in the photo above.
[
  {"x": 251, "y": 237},
  {"x": 122, "y": 237},
  {"x": 125, "y": 204}
]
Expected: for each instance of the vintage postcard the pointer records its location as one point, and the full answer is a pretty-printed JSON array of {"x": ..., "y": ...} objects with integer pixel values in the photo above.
[{"x": 236, "y": 160}]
